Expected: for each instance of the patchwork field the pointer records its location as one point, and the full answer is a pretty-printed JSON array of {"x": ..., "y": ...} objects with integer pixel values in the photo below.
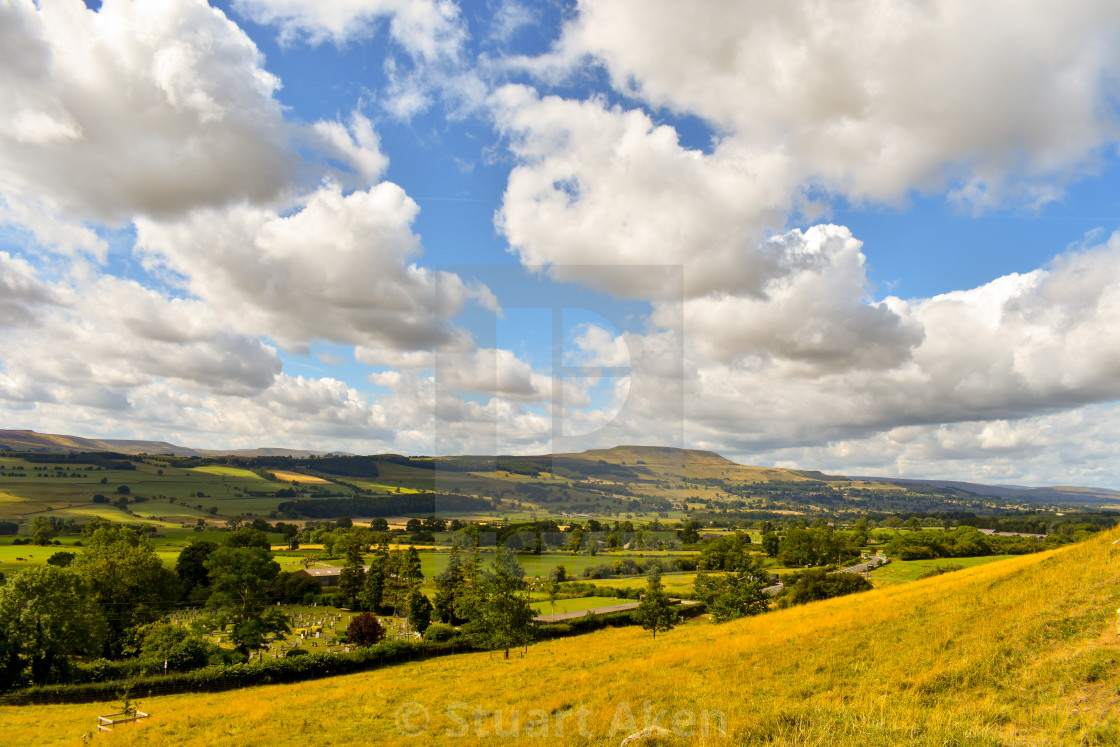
[{"x": 173, "y": 495}]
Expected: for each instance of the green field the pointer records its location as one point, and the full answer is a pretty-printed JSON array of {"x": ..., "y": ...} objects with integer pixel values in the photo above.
[
  {"x": 905, "y": 571},
  {"x": 575, "y": 604},
  {"x": 223, "y": 471},
  {"x": 676, "y": 584}
]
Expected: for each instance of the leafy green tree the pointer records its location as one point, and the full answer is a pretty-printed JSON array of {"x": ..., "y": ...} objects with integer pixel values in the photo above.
[
  {"x": 353, "y": 575},
  {"x": 771, "y": 542},
  {"x": 328, "y": 539},
  {"x": 190, "y": 566},
  {"x": 736, "y": 594},
  {"x": 291, "y": 536},
  {"x": 403, "y": 574},
  {"x": 43, "y": 530},
  {"x": 552, "y": 588},
  {"x": 61, "y": 558},
  {"x": 294, "y": 587},
  {"x": 240, "y": 578},
  {"x": 815, "y": 546},
  {"x": 395, "y": 588},
  {"x": 419, "y": 612},
  {"x": 815, "y": 584},
  {"x": 412, "y": 565},
  {"x": 449, "y": 587},
  {"x": 730, "y": 553},
  {"x": 497, "y": 607},
  {"x": 373, "y": 587},
  {"x": 688, "y": 534},
  {"x": 181, "y": 648},
  {"x": 655, "y": 612},
  {"x": 247, "y": 537},
  {"x": 46, "y": 615},
  {"x": 127, "y": 581},
  {"x": 575, "y": 541}
]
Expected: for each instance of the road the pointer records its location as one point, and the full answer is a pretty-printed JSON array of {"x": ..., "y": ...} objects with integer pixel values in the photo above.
[
  {"x": 559, "y": 616},
  {"x": 864, "y": 567}
]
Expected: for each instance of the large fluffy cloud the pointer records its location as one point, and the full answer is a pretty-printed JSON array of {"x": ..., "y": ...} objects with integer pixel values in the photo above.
[
  {"x": 149, "y": 107},
  {"x": 598, "y": 186},
  {"x": 105, "y": 338},
  {"x": 1013, "y": 348},
  {"x": 815, "y": 314},
  {"x": 337, "y": 268},
  {"x": 807, "y": 101},
  {"x": 22, "y": 294},
  {"x": 873, "y": 99}
]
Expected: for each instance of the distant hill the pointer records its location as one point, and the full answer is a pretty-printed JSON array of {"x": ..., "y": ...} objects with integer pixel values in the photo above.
[
  {"x": 49, "y": 442},
  {"x": 631, "y": 469},
  {"x": 1054, "y": 494}
]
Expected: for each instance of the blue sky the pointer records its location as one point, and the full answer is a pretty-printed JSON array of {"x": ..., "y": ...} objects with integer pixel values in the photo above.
[{"x": 865, "y": 238}]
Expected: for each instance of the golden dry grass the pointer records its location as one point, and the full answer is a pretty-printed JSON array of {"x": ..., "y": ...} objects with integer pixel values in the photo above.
[
  {"x": 299, "y": 477},
  {"x": 1021, "y": 651}
]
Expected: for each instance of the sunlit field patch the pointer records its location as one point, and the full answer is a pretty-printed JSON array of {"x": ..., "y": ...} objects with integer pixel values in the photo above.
[
  {"x": 300, "y": 478},
  {"x": 228, "y": 472}
]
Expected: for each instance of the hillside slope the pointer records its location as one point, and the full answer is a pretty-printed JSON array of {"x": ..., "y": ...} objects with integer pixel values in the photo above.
[
  {"x": 50, "y": 442},
  {"x": 664, "y": 461},
  {"x": 1023, "y": 651},
  {"x": 1064, "y": 494},
  {"x": 654, "y": 472}
]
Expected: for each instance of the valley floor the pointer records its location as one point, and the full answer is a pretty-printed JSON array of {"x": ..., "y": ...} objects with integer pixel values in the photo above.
[{"x": 1018, "y": 652}]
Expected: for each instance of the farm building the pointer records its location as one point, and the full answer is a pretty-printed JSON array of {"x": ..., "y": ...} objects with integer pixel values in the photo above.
[{"x": 325, "y": 576}]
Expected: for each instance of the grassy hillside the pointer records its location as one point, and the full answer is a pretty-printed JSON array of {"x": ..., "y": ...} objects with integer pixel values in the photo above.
[
  {"x": 1022, "y": 651},
  {"x": 640, "y": 482}
]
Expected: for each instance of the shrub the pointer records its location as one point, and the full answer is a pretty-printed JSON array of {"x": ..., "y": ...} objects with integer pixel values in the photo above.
[
  {"x": 440, "y": 632},
  {"x": 816, "y": 584},
  {"x": 61, "y": 559},
  {"x": 365, "y": 630},
  {"x": 915, "y": 552}
]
